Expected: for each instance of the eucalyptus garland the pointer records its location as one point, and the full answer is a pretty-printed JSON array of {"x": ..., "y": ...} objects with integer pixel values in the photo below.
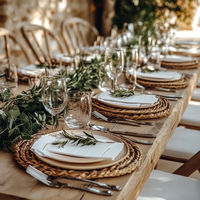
[{"x": 24, "y": 115}]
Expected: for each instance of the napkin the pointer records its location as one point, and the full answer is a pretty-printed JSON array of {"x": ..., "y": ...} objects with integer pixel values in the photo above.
[
  {"x": 159, "y": 75},
  {"x": 131, "y": 101},
  {"x": 106, "y": 149}
]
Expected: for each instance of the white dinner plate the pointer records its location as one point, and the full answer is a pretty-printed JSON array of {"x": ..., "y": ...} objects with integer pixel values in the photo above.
[
  {"x": 31, "y": 70},
  {"x": 188, "y": 42},
  {"x": 79, "y": 163},
  {"x": 159, "y": 76},
  {"x": 135, "y": 101},
  {"x": 177, "y": 59}
]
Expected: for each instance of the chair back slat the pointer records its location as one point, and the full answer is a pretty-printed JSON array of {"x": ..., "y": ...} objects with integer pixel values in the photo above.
[
  {"x": 43, "y": 39},
  {"x": 77, "y": 33},
  {"x": 12, "y": 50},
  {"x": 47, "y": 46},
  {"x": 38, "y": 46},
  {"x": 7, "y": 49}
]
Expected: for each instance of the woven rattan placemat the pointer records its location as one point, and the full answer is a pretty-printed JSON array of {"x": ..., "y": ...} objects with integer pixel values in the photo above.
[
  {"x": 24, "y": 157},
  {"x": 178, "y": 84},
  {"x": 179, "y": 66},
  {"x": 161, "y": 109}
]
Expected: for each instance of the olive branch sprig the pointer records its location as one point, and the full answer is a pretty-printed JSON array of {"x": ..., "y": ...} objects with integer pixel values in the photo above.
[
  {"x": 76, "y": 139},
  {"x": 122, "y": 93}
]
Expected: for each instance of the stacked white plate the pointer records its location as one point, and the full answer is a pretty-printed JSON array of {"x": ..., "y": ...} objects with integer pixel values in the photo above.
[
  {"x": 108, "y": 151},
  {"x": 131, "y": 102},
  {"x": 159, "y": 76}
]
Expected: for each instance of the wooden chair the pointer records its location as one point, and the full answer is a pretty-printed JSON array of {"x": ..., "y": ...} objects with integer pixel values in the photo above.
[
  {"x": 183, "y": 144},
  {"x": 11, "y": 49},
  {"x": 191, "y": 116},
  {"x": 77, "y": 33},
  {"x": 42, "y": 42},
  {"x": 162, "y": 185},
  {"x": 196, "y": 94}
]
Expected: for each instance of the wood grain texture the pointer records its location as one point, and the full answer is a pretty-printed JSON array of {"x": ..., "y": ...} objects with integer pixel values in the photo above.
[{"x": 14, "y": 181}]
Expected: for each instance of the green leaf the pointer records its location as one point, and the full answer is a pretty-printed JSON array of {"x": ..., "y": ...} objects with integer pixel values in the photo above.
[
  {"x": 14, "y": 112},
  {"x": 5, "y": 95}
]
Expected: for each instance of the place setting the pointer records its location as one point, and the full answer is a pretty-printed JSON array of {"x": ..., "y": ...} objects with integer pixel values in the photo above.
[
  {"x": 163, "y": 79},
  {"x": 179, "y": 62},
  {"x": 125, "y": 103},
  {"x": 32, "y": 73},
  {"x": 185, "y": 51},
  {"x": 77, "y": 152}
]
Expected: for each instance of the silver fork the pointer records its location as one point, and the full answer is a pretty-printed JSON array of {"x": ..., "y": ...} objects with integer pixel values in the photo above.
[{"x": 51, "y": 181}]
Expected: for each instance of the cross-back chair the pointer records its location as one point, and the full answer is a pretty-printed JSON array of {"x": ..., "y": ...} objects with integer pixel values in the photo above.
[
  {"x": 162, "y": 185},
  {"x": 182, "y": 145},
  {"x": 42, "y": 42},
  {"x": 11, "y": 49},
  {"x": 77, "y": 33}
]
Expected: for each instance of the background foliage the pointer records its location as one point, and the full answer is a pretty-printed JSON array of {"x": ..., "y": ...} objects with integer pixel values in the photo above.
[{"x": 176, "y": 12}]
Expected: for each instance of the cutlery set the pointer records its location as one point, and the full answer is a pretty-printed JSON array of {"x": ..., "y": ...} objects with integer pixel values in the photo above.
[{"x": 54, "y": 182}]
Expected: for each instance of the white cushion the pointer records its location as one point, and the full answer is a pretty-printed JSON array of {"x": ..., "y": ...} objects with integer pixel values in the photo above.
[
  {"x": 165, "y": 186},
  {"x": 196, "y": 94},
  {"x": 184, "y": 143},
  {"x": 191, "y": 115}
]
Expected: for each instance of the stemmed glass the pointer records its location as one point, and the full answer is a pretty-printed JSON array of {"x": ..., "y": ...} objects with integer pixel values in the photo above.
[
  {"x": 132, "y": 61},
  {"x": 54, "y": 96},
  {"x": 114, "y": 64}
]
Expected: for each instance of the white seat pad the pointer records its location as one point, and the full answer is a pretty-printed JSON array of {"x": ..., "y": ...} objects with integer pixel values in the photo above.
[
  {"x": 191, "y": 115},
  {"x": 196, "y": 94},
  {"x": 165, "y": 186},
  {"x": 184, "y": 143}
]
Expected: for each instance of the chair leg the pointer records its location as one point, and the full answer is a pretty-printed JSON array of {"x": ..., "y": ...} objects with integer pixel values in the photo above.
[
  {"x": 190, "y": 166},
  {"x": 170, "y": 158}
]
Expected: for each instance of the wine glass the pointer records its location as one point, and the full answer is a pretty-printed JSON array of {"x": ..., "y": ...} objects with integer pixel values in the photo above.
[
  {"x": 9, "y": 72},
  {"x": 54, "y": 96},
  {"x": 114, "y": 64},
  {"x": 132, "y": 61}
]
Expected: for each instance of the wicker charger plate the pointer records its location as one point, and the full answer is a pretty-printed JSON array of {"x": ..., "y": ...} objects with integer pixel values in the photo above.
[
  {"x": 178, "y": 84},
  {"x": 24, "y": 157},
  {"x": 159, "y": 110},
  {"x": 180, "y": 66}
]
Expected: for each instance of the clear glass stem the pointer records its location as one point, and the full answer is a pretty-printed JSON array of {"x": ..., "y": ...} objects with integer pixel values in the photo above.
[
  {"x": 134, "y": 80},
  {"x": 114, "y": 84},
  {"x": 54, "y": 123}
]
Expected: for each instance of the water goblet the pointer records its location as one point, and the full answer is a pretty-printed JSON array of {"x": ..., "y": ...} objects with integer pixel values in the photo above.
[
  {"x": 78, "y": 111},
  {"x": 114, "y": 64},
  {"x": 54, "y": 96}
]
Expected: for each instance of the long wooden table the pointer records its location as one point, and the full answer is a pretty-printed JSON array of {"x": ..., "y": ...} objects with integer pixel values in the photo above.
[{"x": 14, "y": 180}]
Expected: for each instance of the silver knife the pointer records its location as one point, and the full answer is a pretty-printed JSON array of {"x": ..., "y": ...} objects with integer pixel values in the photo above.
[
  {"x": 125, "y": 121},
  {"x": 127, "y": 133}
]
